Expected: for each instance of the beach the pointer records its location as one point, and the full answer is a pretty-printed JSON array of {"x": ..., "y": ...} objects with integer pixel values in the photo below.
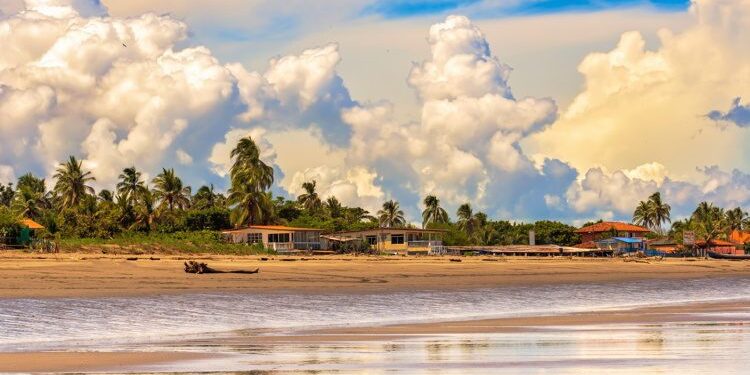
[
  {"x": 346, "y": 314},
  {"x": 91, "y": 275}
]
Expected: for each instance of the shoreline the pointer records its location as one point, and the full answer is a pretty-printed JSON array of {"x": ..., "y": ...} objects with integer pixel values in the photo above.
[
  {"x": 682, "y": 314},
  {"x": 94, "y": 276}
]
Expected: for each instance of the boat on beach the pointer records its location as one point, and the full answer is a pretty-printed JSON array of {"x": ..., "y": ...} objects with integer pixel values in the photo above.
[{"x": 715, "y": 255}]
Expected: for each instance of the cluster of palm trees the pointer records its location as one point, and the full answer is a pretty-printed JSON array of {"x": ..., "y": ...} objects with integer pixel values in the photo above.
[
  {"x": 652, "y": 213},
  {"x": 710, "y": 222}
]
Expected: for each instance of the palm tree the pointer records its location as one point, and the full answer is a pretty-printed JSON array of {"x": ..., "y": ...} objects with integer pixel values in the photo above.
[
  {"x": 334, "y": 207},
  {"x": 145, "y": 212},
  {"x": 391, "y": 215},
  {"x": 32, "y": 183},
  {"x": 204, "y": 198},
  {"x": 106, "y": 196},
  {"x": 310, "y": 200},
  {"x": 710, "y": 222},
  {"x": 29, "y": 203},
  {"x": 71, "y": 183},
  {"x": 643, "y": 215},
  {"x": 248, "y": 168},
  {"x": 168, "y": 190},
  {"x": 433, "y": 213},
  {"x": 660, "y": 210},
  {"x": 467, "y": 221},
  {"x": 131, "y": 186},
  {"x": 250, "y": 178},
  {"x": 737, "y": 219},
  {"x": 251, "y": 205}
]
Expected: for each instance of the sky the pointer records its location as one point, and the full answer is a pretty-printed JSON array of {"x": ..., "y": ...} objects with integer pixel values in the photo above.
[{"x": 527, "y": 109}]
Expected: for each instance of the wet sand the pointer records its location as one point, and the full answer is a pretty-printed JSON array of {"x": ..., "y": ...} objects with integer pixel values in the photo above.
[
  {"x": 87, "y": 361},
  {"x": 87, "y": 275}
]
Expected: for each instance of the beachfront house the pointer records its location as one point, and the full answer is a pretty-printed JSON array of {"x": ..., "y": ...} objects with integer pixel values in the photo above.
[
  {"x": 664, "y": 245},
  {"x": 591, "y": 234},
  {"x": 720, "y": 246},
  {"x": 396, "y": 240},
  {"x": 279, "y": 238},
  {"x": 622, "y": 245}
]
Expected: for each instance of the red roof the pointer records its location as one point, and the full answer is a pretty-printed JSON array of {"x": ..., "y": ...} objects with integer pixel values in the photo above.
[
  {"x": 275, "y": 227},
  {"x": 716, "y": 243},
  {"x": 607, "y": 226}
]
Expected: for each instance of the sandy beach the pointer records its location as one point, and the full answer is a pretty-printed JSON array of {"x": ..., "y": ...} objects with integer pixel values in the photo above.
[{"x": 87, "y": 275}]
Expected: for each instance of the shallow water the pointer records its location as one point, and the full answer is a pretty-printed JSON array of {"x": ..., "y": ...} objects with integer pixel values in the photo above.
[
  {"x": 64, "y": 323},
  {"x": 685, "y": 348}
]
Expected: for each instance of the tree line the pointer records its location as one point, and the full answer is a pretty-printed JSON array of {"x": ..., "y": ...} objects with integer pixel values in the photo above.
[
  {"x": 708, "y": 222},
  {"x": 71, "y": 208}
]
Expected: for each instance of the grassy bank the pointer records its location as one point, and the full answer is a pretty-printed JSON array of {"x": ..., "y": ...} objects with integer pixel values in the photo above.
[{"x": 205, "y": 242}]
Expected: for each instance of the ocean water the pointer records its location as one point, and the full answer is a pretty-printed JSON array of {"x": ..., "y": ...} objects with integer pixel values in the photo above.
[{"x": 75, "y": 323}]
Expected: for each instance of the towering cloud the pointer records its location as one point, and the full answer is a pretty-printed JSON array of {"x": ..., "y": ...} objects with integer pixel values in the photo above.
[{"x": 132, "y": 91}]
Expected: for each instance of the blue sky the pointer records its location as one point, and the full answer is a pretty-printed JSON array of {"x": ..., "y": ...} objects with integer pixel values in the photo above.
[{"x": 409, "y": 8}]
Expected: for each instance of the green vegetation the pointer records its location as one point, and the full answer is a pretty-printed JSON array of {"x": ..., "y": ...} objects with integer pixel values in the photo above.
[{"x": 166, "y": 216}]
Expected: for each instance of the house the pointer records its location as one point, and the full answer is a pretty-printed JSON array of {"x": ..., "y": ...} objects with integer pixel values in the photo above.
[
  {"x": 720, "y": 246},
  {"x": 664, "y": 245},
  {"x": 276, "y": 237},
  {"x": 622, "y": 245},
  {"x": 609, "y": 229},
  {"x": 397, "y": 240},
  {"x": 29, "y": 231}
]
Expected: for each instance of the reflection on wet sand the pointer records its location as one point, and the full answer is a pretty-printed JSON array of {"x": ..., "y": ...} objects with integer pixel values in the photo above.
[{"x": 685, "y": 348}]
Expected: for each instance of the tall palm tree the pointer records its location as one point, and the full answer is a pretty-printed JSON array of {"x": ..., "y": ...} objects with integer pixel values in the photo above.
[
  {"x": 170, "y": 192},
  {"x": 310, "y": 199},
  {"x": 334, "y": 207},
  {"x": 433, "y": 213},
  {"x": 644, "y": 215},
  {"x": 467, "y": 221},
  {"x": 652, "y": 213},
  {"x": 71, "y": 186},
  {"x": 737, "y": 219},
  {"x": 660, "y": 210},
  {"x": 391, "y": 215},
  {"x": 248, "y": 168},
  {"x": 250, "y": 178},
  {"x": 131, "y": 186},
  {"x": 251, "y": 206}
]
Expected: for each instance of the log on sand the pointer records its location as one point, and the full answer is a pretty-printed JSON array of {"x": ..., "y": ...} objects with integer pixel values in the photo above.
[{"x": 201, "y": 268}]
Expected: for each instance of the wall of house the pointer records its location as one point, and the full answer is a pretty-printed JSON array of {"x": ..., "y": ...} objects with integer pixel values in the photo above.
[{"x": 587, "y": 237}]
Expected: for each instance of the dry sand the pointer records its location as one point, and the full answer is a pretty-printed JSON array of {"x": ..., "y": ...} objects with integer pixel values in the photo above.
[{"x": 86, "y": 275}]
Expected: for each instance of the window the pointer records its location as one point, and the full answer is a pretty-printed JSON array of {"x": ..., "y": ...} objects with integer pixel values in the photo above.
[
  {"x": 255, "y": 238},
  {"x": 397, "y": 239},
  {"x": 372, "y": 240},
  {"x": 278, "y": 237}
]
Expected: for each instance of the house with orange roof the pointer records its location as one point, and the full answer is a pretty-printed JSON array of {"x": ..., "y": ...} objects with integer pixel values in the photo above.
[
  {"x": 738, "y": 236},
  {"x": 721, "y": 247},
  {"x": 609, "y": 229},
  {"x": 280, "y": 238}
]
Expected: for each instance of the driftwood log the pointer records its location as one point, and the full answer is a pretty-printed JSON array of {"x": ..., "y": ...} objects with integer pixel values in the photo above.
[{"x": 200, "y": 268}]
